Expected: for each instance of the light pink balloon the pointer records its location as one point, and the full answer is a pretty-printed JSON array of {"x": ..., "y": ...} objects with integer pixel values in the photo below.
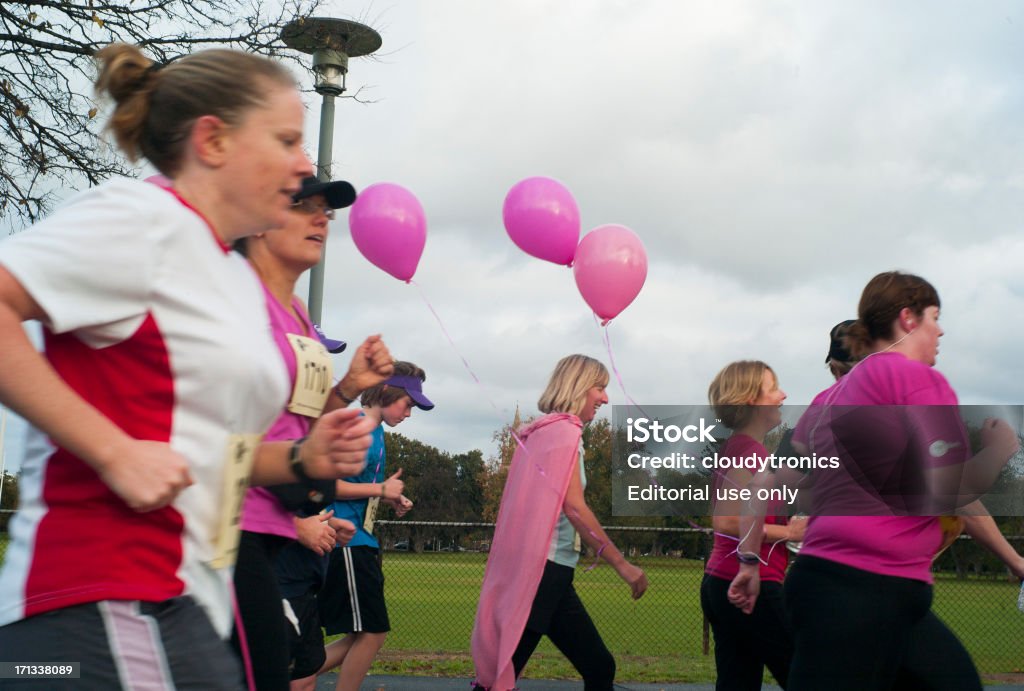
[
  {"x": 542, "y": 218},
  {"x": 389, "y": 228},
  {"x": 160, "y": 181},
  {"x": 610, "y": 269}
]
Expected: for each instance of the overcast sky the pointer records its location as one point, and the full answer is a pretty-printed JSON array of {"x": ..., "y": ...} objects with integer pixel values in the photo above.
[{"x": 771, "y": 156}]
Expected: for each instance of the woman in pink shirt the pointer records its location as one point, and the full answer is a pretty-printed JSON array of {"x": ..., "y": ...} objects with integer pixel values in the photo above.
[
  {"x": 279, "y": 257},
  {"x": 746, "y": 397},
  {"x": 860, "y": 592}
]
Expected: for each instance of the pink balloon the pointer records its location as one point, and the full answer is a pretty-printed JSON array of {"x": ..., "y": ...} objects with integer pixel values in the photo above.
[
  {"x": 610, "y": 269},
  {"x": 389, "y": 228},
  {"x": 542, "y": 218},
  {"x": 160, "y": 181}
]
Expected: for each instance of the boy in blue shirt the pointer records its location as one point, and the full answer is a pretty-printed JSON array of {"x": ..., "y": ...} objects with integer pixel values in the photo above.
[{"x": 352, "y": 601}]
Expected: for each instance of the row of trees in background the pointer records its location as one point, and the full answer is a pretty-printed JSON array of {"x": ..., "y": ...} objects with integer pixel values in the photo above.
[
  {"x": 466, "y": 488},
  {"x": 8, "y": 497}
]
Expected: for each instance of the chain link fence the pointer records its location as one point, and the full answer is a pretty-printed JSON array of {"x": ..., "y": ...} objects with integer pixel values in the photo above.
[{"x": 433, "y": 572}]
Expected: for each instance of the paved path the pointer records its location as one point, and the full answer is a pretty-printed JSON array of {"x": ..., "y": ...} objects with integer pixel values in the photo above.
[{"x": 396, "y": 683}]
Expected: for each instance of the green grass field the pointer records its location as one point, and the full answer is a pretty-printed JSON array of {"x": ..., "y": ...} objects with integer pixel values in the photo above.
[{"x": 432, "y": 601}]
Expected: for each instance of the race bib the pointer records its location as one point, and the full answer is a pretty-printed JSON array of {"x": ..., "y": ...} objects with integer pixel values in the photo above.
[
  {"x": 577, "y": 544},
  {"x": 371, "y": 514},
  {"x": 312, "y": 376},
  {"x": 237, "y": 465}
]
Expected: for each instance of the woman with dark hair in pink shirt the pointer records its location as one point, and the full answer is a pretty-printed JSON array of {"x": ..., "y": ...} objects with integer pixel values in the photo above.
[{"x": 860, "y": 592}]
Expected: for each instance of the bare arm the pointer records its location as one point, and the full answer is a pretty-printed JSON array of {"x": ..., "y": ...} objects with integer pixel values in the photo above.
[
  {"x": 730, "y": 525},
  {"x": 726, "y": 519},
  {"x": 958, "y": 485},
  {"x": 390, "y": 489},
  {"x": 746, "y": 586},
  {"x": 591, "y": 532},
  {"x": 145, "y": 474},
  {"x": 978, "y": 523},
  {"x": 336, "y": 447},
  {"x": 371, "y": 364},
  {"x": 315, "y": 532}
]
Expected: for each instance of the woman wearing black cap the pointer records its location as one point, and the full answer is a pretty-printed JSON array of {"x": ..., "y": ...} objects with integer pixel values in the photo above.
[
  {"x": 839, "y": 360},
  {"x": 279, "y": 257}
]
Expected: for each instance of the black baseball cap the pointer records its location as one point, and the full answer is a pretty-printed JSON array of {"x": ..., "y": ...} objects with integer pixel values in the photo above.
[
  {"x": 837, "y": 349},
  {"x": 338, "y": 193}
]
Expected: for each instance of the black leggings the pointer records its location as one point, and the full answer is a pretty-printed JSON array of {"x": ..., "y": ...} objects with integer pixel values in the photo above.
[
  {"x": 558, "y": 614},
  {"x": 746, "y": 643},
  {"x": 862, "y": 631},
  {"x": 262, "y": 610}
]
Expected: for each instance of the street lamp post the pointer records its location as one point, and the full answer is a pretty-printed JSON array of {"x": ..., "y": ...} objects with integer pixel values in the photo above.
[{"x": 331, "y": 42}]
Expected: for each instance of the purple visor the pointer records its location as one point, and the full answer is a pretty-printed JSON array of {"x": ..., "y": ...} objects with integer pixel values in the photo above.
[
  {"x": 329, "y": 343},
  {"x": 412, "y": 386}
]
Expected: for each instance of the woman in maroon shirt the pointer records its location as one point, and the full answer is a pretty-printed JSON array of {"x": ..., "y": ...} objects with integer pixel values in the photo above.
[{"x": 746, "y": 397}]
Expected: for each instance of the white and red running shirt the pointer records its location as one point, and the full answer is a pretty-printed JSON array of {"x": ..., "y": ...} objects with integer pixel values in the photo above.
[{"x": 154, "y": 322}]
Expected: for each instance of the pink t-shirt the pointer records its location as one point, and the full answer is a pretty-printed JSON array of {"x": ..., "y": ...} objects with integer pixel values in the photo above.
[
  {"x": 774, "y": 557},
  {"x": 890, "y": 545},
  {"x": 261, "y": 511}
]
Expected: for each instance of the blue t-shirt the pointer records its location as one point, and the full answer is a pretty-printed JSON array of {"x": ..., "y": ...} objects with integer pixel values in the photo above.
[{"x": 355, "y": 509}]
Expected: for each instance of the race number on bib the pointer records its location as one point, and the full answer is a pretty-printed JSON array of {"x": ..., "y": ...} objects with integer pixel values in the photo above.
[
  {"x": 237, "y": 465},
  {"x": 371, "y": 514},
  {"x": 312, "y": 376}
]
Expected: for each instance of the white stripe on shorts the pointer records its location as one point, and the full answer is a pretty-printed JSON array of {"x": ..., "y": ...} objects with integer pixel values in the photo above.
[
  {"x": 136, "y": 647},
  {"x": 353, "y": 594}
]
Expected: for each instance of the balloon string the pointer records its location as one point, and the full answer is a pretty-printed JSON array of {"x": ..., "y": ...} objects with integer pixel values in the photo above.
[
  {"x": 451, "y": 341},
  {"x": 764, "y": 561},
  {"x": 540, "y": 469},
  {"x": 618, "y": 377},
  {"x": 611, "y": 360},
  {"x": 465, "y": 362}
]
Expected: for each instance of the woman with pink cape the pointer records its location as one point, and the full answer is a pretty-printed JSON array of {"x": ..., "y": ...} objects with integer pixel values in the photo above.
[{"x": 527, "y": 591}]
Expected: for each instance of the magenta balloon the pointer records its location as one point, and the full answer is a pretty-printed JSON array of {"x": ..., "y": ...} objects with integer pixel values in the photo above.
[
  {"x": 542, "y": 218},
  {"x": 610, "y": 269},
  {"x": 389, "y": 228}
]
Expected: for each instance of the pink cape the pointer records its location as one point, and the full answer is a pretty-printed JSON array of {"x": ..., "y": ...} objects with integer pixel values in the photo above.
[{"x": 538, "y": 479}]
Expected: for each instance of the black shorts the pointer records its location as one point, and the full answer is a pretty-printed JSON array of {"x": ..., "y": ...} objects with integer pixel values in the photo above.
[
  {"x": 126, "y": 645},
  {"x": 306, "y": 645},
  {"x": 352, "y": 600}
]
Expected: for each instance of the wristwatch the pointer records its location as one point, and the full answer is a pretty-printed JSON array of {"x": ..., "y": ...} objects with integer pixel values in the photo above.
[{"x": 295, "y": 461}]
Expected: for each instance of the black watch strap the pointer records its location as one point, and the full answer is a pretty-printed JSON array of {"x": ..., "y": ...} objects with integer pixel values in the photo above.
[{"x": 295, "y": 461}]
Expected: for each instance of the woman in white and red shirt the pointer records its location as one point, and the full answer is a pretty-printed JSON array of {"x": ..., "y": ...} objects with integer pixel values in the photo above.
[{"x": 158, "y": 379}]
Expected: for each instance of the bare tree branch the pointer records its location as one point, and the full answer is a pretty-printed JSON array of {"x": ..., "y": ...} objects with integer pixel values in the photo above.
[{"x": 50, "y": 139}]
